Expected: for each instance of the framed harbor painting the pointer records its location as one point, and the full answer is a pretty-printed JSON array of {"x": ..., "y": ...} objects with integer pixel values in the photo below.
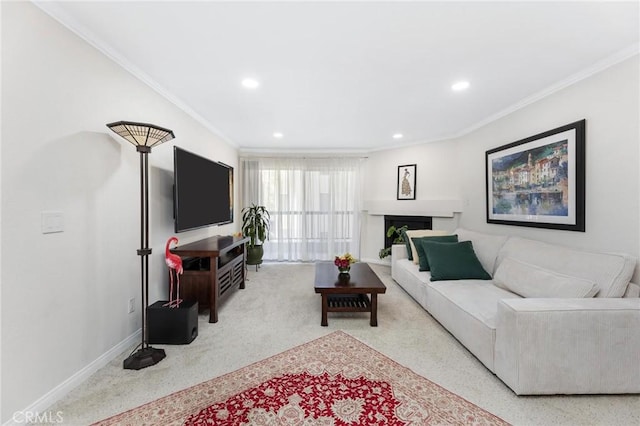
[
  {"x": 539, "y": 181},
  {"x": 407, "y": 182}
]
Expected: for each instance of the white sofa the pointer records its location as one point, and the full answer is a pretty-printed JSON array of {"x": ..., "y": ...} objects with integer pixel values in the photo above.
[{"x": 539, "y": 345}]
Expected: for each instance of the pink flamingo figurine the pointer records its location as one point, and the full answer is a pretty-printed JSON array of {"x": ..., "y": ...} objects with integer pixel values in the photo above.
[{"x": 174, "y": 262}]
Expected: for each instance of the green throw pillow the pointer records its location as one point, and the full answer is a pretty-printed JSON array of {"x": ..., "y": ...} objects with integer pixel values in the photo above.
[
  {"x": 453, "y": 261},
  {"x": 422, "y": 257},
  {"x": 405, "y": 238}
]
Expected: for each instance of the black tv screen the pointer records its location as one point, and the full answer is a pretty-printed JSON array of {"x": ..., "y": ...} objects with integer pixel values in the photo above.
[{"x": 203, "y": 191}]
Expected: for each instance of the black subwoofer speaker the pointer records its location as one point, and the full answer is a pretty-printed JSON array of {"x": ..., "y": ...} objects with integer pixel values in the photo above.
[{"x": 172, "y": 326}]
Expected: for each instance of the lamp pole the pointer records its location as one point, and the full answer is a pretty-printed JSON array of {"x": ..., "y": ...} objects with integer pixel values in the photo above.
[{"x": 143, "y": 136}]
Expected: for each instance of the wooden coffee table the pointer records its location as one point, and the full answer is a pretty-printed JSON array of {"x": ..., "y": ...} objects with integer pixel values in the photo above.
[{"x": 348, "y": 296}]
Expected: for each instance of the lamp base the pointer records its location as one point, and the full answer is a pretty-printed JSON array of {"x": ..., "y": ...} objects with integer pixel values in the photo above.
[{"x": 144, "y": 358}]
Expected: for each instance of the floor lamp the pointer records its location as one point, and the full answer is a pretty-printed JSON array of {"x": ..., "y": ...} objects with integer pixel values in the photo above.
[{"x": 144, "y": 137}]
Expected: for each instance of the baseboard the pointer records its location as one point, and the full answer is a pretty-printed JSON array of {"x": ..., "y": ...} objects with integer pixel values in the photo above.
[{"x": 42, "y": 404}]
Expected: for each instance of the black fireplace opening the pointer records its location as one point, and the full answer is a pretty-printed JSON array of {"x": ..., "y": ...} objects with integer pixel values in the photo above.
[{"x": 412, "y": 222}]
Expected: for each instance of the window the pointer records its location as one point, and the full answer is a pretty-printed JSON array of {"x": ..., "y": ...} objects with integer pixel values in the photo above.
[{"x": 315, "y": 205}]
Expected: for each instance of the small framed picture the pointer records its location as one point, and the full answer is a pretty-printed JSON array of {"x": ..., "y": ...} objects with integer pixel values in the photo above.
[
  {"x": 539, "y": 181},
  {"x": 407, "y": 182}
]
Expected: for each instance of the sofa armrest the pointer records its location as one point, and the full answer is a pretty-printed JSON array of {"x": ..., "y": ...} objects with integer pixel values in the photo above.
[
  {"x": 568, "y": 346},
  {"x": 398, "y": 252}
]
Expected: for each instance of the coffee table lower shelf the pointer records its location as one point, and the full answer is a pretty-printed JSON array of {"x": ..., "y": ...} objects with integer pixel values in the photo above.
[{"x": 348, "y": 303}]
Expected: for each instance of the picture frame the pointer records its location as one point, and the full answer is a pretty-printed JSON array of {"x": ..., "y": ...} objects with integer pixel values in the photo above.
[
  {"x": 407, "y": 182},
  {"x": 539, "y": 181}
]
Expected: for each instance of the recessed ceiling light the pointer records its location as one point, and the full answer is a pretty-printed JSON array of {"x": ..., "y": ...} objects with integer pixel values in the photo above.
[
  {"x": 278, "y": 135},
  {"x": 460, "y": 85},
  {"x": 250, "y": 83},
  {"x": 398, "y": 136}
]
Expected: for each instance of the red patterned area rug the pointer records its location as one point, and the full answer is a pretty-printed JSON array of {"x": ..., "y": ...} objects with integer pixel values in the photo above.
[{"x": 334, "y": 380}]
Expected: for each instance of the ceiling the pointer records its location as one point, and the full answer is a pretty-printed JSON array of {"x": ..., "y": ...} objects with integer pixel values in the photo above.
[{"x": 346, "y": 76}]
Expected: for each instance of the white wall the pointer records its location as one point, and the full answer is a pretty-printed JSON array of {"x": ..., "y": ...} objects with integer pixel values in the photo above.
[
  {"x": 609, "y": 101},
  {"x": 437, "y": 178},
  {"x": 64, "y": 295}
]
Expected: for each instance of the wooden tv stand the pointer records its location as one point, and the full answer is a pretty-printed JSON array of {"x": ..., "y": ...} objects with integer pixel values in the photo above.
[{"x": 212, "y": 267}]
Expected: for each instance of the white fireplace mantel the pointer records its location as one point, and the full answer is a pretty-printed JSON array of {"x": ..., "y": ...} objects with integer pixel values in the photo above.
[{"x": 434, "y": 208}]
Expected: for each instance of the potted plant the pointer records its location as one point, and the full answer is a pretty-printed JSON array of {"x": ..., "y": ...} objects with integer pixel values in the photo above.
[
  {"x": 397, "y": 234},
  {"x": 255, "y": 225}
]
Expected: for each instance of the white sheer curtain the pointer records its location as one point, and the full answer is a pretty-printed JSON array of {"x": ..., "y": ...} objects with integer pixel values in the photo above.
[{"x": 315, "y": 205}]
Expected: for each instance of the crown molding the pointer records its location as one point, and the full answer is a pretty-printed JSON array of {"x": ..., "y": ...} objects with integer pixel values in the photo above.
[
  {"x": 596, "y": 68},
  {"x": 54, "y": 11}
]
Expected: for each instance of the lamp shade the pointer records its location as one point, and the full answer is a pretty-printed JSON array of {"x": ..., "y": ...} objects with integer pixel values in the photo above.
[{"x": 141, "y": 134}]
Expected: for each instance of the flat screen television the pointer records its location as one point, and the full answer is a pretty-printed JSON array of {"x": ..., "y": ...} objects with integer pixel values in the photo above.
[{"x": 203, "y": 191}]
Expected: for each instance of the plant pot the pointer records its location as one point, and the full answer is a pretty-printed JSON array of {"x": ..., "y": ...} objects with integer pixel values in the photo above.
[{"x": 254, "y": 255}]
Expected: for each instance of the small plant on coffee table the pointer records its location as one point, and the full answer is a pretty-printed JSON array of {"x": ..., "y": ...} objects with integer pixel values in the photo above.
[{"x": 344, "y": 262}]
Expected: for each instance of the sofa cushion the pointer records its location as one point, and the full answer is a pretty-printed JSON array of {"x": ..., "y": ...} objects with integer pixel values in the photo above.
[
  {"x": 420, "y": 233},
  {"x": 423, "y": 261},
  {"x": 633, "y": 290},
  {"x": 532, "y": 281},
  {"x": 407, "y": 243},
  {"x": 610, "y": 271},
  {"x": 453, "y": 261},
  {"x": 468, "y": 310},
  {"x": 486, "y": 246}
]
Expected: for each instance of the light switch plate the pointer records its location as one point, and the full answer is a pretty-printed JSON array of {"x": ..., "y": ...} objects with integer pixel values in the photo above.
[{"x": 52, "y": 222}]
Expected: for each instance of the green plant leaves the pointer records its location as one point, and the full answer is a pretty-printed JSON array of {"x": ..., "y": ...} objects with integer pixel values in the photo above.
[{"x": 255, "y": 224}]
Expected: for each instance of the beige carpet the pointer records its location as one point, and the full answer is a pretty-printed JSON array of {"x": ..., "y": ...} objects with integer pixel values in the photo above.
[
  {"x": 333, "y": 380},
  {"x": 279, "y": 310}
]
